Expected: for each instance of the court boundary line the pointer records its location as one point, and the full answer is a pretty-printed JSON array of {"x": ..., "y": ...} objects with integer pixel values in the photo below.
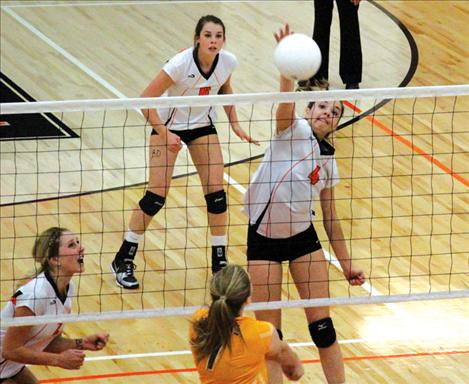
[
  {"x": 414, "y": 57},
  {"x": 308, "y": 361},
  {"x": 227, "y": 177},
  {"x": 301, "y": 344},
  {"x": 409, "y": 144}
]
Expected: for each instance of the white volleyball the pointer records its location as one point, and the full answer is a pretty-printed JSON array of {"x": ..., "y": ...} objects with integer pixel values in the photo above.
[{"x": 297, "y": 57}]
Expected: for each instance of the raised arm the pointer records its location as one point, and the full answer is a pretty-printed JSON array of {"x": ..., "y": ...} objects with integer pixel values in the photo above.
[
  {"x": 281, "y": 352},
  {"x": 285, "y": 114},
  {"x": 335, "y": 234}
]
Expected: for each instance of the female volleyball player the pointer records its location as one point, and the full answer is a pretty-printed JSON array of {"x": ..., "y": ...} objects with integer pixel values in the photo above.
[
  {"x": 298, "y": 167},
  {"x": 204, "y": 69},
  {"x": 230, "y": 348},
  {"x": 59, "y": 255}
]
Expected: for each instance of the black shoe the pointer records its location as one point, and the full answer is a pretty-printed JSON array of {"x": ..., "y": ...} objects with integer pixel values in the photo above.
[
  {"x": 218, "y": 258},
  {"x": 124, "y": 272},
  {"x": 352, "y": 86}
]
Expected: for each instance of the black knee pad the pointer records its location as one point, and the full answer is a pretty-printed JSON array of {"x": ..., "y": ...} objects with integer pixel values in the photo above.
[
  {"x": 216, "y": 202},
  {"x": 151, "y": 203},
  {"x": 280, "y": 334},
  {"x": 322, "y": 332}
]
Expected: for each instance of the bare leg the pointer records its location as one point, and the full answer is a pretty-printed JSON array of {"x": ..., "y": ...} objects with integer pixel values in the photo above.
[
  {"x": 208, "y": 159},
  {"x": 311, "y": 278},
  {"x": 266, "y": 280},
  {"x": 161, "y": 162}
]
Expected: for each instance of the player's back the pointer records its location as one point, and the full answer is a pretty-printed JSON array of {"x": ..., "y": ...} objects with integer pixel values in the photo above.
[{"x": 245, "y": 363}]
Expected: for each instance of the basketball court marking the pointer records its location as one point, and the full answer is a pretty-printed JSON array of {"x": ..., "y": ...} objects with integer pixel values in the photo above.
[
  {"x": 72, "y": 59},
  {"x": 64, "y": 53},
  {"x": 371, "y": 290},
  {"x": 193, "y": 370},
  {"x": 384, "y": 340},
  {"x": 410, "y": 145}
]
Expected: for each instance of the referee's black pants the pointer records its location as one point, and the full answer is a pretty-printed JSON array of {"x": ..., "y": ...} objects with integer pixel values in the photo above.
[{"x": 350, "y": 46}]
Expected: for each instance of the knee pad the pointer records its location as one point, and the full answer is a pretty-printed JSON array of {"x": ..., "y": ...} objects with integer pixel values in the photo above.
[
  {"x": 280, "y": 334},
  {"x": 216, "y": 202},
  {"x": 322, "y": 332},
  {"x": 151, "y": 203}
]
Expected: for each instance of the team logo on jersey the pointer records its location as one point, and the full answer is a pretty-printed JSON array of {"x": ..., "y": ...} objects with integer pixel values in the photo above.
[
  {"x": 191, "y": 76},
  {"x": 314, "y": 176},
  {"x": 204, "y": 91},
  {"x": 53, "y": 302}
]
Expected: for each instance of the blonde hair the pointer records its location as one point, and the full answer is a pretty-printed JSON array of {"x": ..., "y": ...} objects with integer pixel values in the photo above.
[
  {"x": 45, "y": 246},
  {"x": 229, "y": 289}
]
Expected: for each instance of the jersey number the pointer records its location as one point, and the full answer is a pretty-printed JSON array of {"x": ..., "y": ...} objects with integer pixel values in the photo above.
[
  {"x": 204, "y": 91},
  {"x": 314, "y": 176}
]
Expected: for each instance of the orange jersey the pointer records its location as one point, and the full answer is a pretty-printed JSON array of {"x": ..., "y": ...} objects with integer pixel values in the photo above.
[{"x": 245, "y": 364}]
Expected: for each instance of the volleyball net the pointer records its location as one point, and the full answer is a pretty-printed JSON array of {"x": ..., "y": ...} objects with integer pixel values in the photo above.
[{"x": 403, "y": 197}]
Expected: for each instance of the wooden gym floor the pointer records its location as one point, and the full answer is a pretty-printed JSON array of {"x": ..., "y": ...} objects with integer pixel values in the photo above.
[{"x": 88, "y": 50}]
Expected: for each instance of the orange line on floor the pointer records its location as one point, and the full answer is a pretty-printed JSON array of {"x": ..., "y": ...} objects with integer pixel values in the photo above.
[
  {"x": 411, "y": 145},
  {"x": 185, "y": 370},
  {"x": 396, "y": 356}
]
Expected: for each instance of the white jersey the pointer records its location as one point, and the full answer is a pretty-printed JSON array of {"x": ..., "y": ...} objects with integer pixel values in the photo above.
[
  {"x": 40, "y": 296},
  {"x": 189, "y": 80},
  {"x": 292, "y": 174}
]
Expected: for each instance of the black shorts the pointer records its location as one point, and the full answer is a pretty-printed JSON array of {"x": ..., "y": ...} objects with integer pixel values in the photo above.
[
  {"x": 189, "y": 135},
  {"x": 288, "y": 249}
]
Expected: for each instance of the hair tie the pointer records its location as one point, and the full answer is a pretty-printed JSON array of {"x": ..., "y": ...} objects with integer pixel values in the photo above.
[{"x": 222, "y": 297}]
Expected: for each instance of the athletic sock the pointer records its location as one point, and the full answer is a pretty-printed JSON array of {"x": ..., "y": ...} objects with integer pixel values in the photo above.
[
  {"x": 218, "y": 253},
  {"x": 129, "y": 247}
]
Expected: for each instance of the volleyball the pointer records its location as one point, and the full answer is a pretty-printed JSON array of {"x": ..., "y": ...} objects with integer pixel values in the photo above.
[{"x": 297, "y": 57}]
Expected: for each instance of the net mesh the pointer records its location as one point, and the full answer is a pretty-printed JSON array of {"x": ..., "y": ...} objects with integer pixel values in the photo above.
[{"x": 403, "y": 198}]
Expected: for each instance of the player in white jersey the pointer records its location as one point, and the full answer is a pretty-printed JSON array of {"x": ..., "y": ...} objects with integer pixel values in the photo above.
[
  {"x": 204, "y": 69},
  {"x": 50, "y": 292},
  {"x": 298, "y": 167}
]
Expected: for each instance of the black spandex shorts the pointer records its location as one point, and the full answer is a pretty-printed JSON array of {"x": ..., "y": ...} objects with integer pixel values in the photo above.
[
  {"x": 288, "y": 249},
  {"x": 189, "y": 135}
]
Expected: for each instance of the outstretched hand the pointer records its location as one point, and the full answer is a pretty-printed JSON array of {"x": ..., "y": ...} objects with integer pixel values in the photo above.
[
  {"x": 283, "y": 32},
  {"x": 241, "y": 133}
]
